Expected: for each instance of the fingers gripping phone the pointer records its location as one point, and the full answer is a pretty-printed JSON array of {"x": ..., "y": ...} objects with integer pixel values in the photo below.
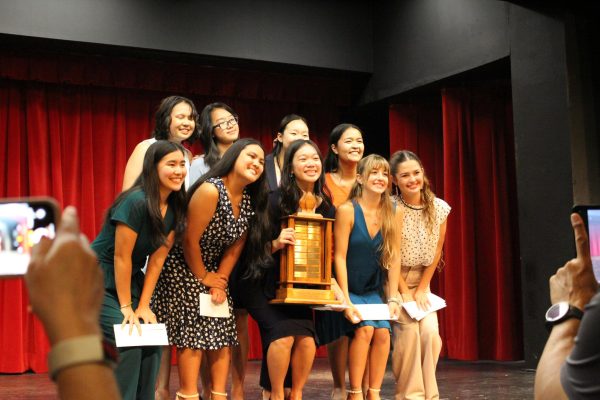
[
  {"x": 23, "y": 223},
  {"x": 591, "y": 219}
]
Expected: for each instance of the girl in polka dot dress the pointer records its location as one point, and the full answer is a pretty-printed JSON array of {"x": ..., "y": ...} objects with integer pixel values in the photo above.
[
  {"x": 222, "y": 205},
  {"x": 417, "y": 344}
]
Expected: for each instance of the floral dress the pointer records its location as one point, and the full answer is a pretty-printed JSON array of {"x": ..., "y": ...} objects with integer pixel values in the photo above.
[{"x": 176, "y": 297}]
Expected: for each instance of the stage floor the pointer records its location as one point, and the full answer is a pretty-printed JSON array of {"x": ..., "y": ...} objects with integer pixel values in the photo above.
[{"x": 457, "y": 380}]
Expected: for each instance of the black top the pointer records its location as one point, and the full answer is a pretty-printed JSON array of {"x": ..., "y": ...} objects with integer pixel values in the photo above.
[
  {"x": 270, "y": 171},
  {"x": 580, "y": 372}
]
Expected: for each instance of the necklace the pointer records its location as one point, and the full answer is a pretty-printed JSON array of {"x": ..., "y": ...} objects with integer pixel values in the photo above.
[{"x": 410, "y": 206}]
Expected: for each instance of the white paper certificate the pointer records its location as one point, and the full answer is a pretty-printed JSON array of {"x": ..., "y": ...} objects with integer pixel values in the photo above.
[
  {"x": 436, "y": 303},
  {"x": 210, "y": 309},
  {"x": 374, "y": 312},
  {"x": 152, "y": 335}
]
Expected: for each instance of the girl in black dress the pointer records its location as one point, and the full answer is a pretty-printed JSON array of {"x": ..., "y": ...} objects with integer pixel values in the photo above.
[{"x": 287, "y": 331}]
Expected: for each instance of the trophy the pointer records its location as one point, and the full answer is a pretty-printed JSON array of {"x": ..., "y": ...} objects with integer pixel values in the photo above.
[{"x": 305, "y": 267}]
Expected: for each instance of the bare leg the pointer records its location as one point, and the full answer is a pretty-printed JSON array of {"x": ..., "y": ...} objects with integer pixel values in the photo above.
[
  {"x": 164, "y": 373},
  {"x": 365, "y": 380},
  {"x": 239, "y": 355},
  {"x": 205, "y": 377},
  {"x": 337, "y": 353},
  {"x": 378, "y": 355},
  {"x": 219, "y": 368},
  {"x": 278, "y": 360},
  {"x": 188, "y": 361},
  {"x": 303, "y": 355},
  {"x": 359, "y": 351}
]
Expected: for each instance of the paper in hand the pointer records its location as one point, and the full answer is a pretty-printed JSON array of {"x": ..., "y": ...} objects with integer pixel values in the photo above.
[
  {"x": 210, "y": 309},
  {"x": 436, "y": 303},
  {"x": 152, "y": 335}
]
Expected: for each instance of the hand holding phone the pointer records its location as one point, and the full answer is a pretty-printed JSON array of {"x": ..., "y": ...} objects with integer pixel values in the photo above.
[
  {"x": 23, "y": 223},
  {"x": 574, "y": 282},
  {"x": 65, "y": 283},
  {"x": 591, "y": 219}
]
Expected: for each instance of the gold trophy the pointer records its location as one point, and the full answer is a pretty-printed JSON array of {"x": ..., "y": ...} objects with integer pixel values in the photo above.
[{"x": 305, "y": 268}]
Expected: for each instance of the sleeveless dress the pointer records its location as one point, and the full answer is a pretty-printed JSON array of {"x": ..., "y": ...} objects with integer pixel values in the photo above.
[
  {"x": 365, "y": 273},
  {"x": 176, "y": 297}
]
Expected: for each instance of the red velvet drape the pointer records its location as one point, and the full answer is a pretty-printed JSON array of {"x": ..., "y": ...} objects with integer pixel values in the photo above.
[
  {"x": 471, "y": 150},
  {"x": 68, "y": 125}
]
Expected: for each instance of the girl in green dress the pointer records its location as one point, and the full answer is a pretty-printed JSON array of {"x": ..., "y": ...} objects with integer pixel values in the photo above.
[{"x": 144, "y": 221}]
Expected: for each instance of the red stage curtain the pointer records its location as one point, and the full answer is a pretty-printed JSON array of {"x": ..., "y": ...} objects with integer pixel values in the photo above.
[
  {"x": 67, "y": 127},
  {"x": 480, "y": 280}
]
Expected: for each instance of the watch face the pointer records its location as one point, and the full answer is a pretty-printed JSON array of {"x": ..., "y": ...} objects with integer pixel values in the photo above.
[{"x": 557, "y": 311}]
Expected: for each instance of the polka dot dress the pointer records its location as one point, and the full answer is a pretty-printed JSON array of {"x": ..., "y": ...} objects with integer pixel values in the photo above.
[
  {"x": 176, "y": 297},
  {"x": 418, "y": 242}
]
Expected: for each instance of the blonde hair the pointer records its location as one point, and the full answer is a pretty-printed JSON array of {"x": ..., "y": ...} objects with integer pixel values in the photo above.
[
  {"x": 427, "y": 194},
  {"x": 389, "y": 230}
]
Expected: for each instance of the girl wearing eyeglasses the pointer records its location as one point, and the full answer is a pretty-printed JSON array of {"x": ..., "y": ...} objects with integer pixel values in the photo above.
[{"x": 219, "y": 129}]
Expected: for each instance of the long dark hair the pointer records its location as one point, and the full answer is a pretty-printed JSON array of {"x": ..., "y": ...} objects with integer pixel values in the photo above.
[
  {"x": 282, "y": 125},
  {"x": 290, "y": 192},
  {"x": 149, "y": 182},
  {"x": 162, "y": 118},
  {"x": 208, "y": 140},
  {"x": 257, "y": 251},
  {"x": 332, "y": 161}
]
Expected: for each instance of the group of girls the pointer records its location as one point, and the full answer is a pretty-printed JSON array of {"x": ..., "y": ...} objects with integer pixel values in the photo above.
[{"x": 211, "y": 226}]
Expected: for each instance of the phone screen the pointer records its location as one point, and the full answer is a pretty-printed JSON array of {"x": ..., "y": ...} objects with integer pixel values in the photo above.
[
  {"x": 593, "y": 224},
  {"x": 22, "y": 225}
]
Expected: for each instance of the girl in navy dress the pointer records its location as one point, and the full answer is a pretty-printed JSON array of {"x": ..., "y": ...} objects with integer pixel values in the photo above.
[{"x": 367, "y": 256}]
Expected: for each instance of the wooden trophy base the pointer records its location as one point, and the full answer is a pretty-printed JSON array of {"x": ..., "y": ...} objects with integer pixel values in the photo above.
[{"x": 304, "y": 296}]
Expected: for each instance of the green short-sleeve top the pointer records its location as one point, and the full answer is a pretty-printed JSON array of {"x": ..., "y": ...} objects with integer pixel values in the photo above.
[{"x": 133, "y": 212}]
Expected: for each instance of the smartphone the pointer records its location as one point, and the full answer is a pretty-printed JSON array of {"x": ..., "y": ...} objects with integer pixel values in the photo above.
[
  {"x": 23, "y": 223},
  {"x": 591, "y": 218}
]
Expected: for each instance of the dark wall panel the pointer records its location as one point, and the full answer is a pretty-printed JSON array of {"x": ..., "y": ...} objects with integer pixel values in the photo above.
[
  {"x": 328, "y": 34},
  {"x": 421, "y": 41},
  {"x": 543, "y": 158}
]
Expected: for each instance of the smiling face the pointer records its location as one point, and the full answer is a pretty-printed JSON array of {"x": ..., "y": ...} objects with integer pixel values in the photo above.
[
  {"x": 306, "y": 164},
  {"x": 409, "y": 177},
  {"x": 182, "y": 122},
  {"x": 375, "y": 181},
  {"x": 350, "y": 146},
  {"x": 171, "y": 171},
  {"x": 293, "y": 131},
  {"x": 230, "y": 131},
  {"x": 250, "y": 164}
]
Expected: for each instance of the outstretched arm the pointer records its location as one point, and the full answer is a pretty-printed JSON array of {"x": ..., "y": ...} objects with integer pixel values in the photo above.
[
  {"x": 574, "y": 283},
  {"x": 65, "y": 289}
]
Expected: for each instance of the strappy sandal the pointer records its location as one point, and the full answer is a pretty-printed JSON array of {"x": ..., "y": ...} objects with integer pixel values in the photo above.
[
  {"x": 351, "y": 392},
  {"x": 179, "y": 395},
  {"x": 217, "y": 394},
  {"x": 374, "y": 390}
]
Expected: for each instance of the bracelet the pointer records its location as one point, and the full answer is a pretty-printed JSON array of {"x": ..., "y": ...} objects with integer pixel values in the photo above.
[
  {"x": 126, "y": 305},
  {"x": 75, "y": 351},
  {"x": 393, "y": 300}
]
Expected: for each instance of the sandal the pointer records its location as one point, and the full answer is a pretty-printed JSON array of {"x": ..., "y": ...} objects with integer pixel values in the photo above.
[
  {"x": 374, "y": 390},
  {"x": 187, "y": 396},
  {"x": 217, "y": 394},
  {"x": 351, "y": 392}
]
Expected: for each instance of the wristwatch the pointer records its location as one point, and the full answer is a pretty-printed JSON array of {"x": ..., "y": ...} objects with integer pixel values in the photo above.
[{"x": 561, "y": 312}]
